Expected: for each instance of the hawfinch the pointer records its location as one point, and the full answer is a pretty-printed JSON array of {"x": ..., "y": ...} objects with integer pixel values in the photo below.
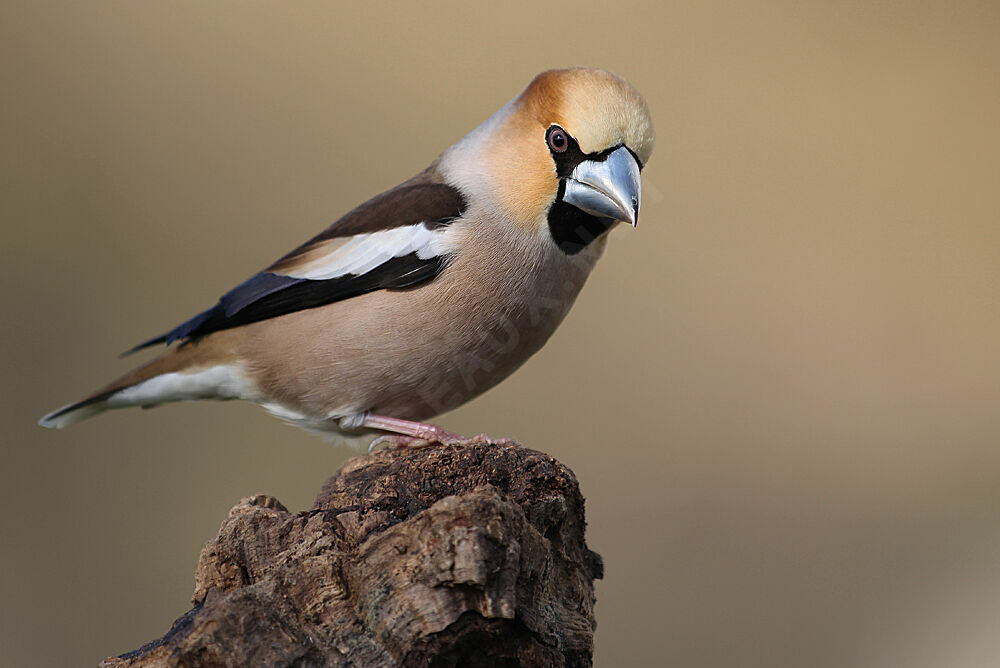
[{"x": 428, "y": 294}]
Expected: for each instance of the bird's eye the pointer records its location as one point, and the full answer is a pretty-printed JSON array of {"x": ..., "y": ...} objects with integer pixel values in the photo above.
[{"x": 557, "y": 139}]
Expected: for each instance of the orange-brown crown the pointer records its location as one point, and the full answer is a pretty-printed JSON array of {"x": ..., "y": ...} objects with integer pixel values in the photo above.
[{"x": 598, "y": 108}]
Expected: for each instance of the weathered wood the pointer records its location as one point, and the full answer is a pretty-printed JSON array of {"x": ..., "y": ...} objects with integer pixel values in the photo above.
[{"x": 446, "y": 556}]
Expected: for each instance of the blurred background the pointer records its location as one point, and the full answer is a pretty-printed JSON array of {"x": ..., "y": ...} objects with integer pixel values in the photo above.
[{"x": 781, "y": 393}]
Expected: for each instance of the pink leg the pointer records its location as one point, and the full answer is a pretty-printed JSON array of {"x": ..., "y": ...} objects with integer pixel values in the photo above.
[{"x": 409, "y": 434}]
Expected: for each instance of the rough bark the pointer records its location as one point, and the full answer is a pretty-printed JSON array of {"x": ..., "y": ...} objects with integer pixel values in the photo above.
[{"x": 446, "y": 556}]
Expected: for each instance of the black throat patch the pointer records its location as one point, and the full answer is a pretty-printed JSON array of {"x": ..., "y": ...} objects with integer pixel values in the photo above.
[{"x": 573, "y": 229}]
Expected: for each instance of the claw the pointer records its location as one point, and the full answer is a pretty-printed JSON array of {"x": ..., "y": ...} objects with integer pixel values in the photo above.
[
  {"x": 398, "y": 442},
  {"x": 407, "y": 434}
]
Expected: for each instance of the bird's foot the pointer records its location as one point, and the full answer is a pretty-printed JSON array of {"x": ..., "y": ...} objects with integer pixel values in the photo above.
[
  {"x": 485, "y": 439},
  {"x": 398, "y": 442},
  {"x": 409, "y": 434}
]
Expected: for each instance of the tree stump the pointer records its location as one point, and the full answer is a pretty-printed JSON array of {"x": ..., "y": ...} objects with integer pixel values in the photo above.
[{"x": 444, "y": 556}]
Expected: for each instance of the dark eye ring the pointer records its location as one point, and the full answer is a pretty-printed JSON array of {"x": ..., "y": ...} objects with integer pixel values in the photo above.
[{"x": 557, "y": 139}]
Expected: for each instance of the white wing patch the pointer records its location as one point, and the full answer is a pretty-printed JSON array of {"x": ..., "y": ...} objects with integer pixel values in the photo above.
[{"x": 361, "y": 253}]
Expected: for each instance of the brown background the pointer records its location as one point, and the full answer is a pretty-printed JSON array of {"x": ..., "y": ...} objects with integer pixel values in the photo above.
[{"x": 780, "y": 393}]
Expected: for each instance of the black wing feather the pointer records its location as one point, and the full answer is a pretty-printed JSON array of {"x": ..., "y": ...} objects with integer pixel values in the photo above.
[{"x": 269, "y": 295}]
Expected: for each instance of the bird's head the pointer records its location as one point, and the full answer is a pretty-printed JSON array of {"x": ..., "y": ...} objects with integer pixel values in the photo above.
[{"x": 563, "y": 158}]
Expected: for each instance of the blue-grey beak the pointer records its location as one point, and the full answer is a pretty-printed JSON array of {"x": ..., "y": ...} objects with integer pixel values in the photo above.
[{"x": 608, "y": 189}]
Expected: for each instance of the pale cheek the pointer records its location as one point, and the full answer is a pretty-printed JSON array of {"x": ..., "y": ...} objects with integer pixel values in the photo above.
[
  {"x": 531, "y": 203},
  {"x": 527, "y": 188},
  {"x": 523, "y": 173}
]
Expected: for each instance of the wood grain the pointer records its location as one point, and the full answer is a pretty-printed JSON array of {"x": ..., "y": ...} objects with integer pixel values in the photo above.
[{"x": 446, "y": 556}]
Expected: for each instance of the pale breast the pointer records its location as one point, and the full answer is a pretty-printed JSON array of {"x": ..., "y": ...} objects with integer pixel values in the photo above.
[{"x": 415, "y": 353}]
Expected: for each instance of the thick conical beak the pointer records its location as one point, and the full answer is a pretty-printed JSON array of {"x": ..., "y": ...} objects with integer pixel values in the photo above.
[{"x": 608, "y": 188}]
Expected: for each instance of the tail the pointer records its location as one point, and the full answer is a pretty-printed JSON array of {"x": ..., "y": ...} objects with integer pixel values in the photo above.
[{"x": 191, "y": 371}]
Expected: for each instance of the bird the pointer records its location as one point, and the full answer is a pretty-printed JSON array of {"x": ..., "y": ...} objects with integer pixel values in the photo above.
[{"x": 428, "y": 294}]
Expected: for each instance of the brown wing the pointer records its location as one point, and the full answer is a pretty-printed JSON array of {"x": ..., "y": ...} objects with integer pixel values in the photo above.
[{"x": 420, "y": 205}]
